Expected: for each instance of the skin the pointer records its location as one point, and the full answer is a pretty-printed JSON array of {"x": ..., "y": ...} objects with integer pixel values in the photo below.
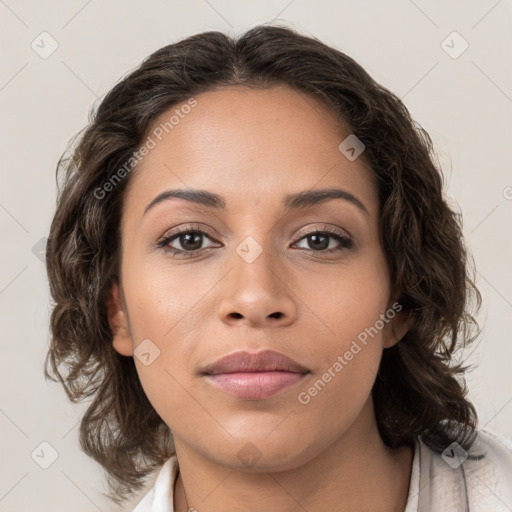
[{"x": 253, "y": 147}]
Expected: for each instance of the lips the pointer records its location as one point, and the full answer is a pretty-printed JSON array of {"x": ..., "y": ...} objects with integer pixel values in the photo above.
[
  {"x": 254, "y": 375},
  {"x": 264, "y": 361}
]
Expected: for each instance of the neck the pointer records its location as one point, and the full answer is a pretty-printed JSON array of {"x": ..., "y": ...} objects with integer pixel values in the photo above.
[{"x": 357, "y": 472}]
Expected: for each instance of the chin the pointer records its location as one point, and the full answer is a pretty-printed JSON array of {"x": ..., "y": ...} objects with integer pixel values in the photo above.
[{"x": 265, "y": 453}]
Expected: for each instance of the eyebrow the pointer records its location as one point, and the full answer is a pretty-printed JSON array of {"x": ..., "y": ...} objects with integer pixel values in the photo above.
[{"x": 291, "y": 201}]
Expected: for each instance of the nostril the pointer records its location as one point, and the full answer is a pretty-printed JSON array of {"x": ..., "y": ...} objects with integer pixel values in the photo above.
[{"x": 278, "y": 314}]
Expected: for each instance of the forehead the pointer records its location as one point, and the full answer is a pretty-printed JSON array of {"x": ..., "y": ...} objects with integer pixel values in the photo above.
[{"x": 249, "y": 145}]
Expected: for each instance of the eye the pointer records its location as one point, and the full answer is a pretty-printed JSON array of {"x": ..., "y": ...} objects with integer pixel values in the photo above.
[
  {"x": 183, "y": 241},
  {"x": 189, "y": 240},
  {"x": 323, "y": 241}
]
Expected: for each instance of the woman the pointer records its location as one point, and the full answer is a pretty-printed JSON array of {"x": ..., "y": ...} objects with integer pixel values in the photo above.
[{"x": 258, "y": 280}]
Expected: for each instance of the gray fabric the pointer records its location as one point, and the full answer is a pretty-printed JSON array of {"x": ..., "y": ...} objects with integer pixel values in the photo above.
[{"x": 481, "y": 483}]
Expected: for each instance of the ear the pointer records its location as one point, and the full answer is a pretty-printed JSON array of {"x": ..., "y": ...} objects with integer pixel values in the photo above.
[
  {"x": 396, "y": 328},
  {"x": 122, "y": 340}
]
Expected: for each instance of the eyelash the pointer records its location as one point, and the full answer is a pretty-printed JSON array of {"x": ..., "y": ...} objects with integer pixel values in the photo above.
[{"x": 345, "y": 242}]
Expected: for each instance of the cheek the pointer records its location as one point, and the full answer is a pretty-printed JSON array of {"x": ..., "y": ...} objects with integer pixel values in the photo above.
[
  {"x": 163, "y": 324},
  {"x": 346, "y": 309},
  {"x": 348, "y": 301},
  {"x": 163, "y": 302}
]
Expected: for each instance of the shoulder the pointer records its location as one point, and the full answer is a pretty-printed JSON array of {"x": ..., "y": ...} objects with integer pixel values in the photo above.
[
  {"x": 496, "y": 442},
  {"x": 478, "y": 480},
  {"x": 160, "y": 496}
]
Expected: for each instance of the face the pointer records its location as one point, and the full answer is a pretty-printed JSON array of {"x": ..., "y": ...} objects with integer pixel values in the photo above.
[{"x": 256, "y": 269}]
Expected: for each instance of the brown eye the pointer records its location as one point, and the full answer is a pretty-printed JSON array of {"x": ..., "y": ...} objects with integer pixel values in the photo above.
[
  {"x": 184, "y": 241},
  {"x": 190, "y": 241},
  {"x": 322, "y": 241}
]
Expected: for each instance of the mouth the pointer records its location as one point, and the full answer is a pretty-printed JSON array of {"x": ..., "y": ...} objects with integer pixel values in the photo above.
[{"x": 254, "y": 375}]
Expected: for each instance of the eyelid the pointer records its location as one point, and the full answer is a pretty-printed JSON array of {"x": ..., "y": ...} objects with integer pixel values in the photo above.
[
  {"x": 186, "y": 228},
  {"x": 303, "y": 232},
  {"x": 329, "y": 230},
  {"x": 326, "y": 228}
]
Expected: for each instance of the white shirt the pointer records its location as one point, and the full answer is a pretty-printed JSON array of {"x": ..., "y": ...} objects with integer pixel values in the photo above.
[{"x": 449, "y": 482}]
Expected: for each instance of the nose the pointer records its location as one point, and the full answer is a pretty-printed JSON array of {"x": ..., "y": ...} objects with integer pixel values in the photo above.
[{"x": 257, "y": 294}]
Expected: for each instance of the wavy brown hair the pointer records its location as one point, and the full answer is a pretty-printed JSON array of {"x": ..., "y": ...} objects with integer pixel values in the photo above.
[{"x": 419, "y": 390}]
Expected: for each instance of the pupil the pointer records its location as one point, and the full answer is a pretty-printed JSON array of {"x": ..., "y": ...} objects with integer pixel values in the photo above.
[
  {"x": 323, "y": 245},
  {"x": 188, "y": 240}
]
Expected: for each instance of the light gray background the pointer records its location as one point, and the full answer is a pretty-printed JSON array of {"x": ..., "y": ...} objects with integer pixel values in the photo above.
[{"x": 465, "y": 104}]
